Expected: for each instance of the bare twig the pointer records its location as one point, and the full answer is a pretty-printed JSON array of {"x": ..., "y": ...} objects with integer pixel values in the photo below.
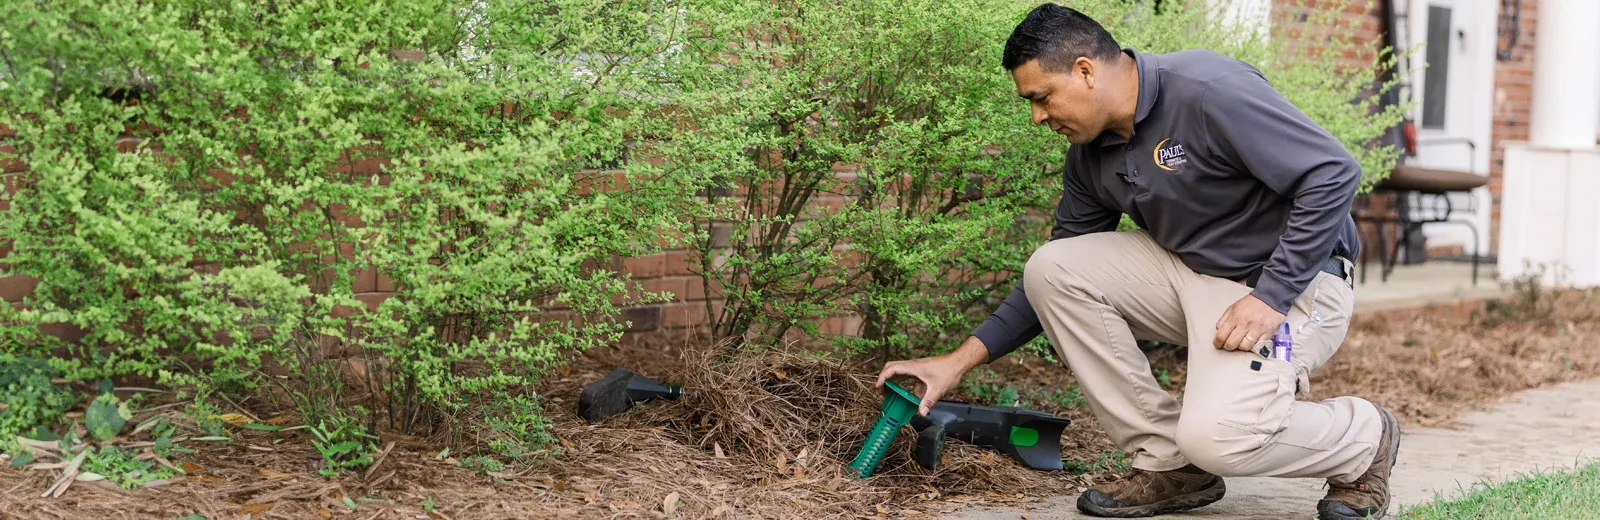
[
  {"x": 237, "y": 407},
  {"x": 378, "y": 460},
  {"x": 162, "y": 407},
  {"x": 9, "y": 64},
  {"x": 381, "y": 480},
  {"x": 138, "y": 389}
]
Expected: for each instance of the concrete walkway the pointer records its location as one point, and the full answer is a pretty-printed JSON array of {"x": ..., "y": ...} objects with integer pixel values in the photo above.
[
  {"x": 1553, "y": 427},
  {"x": 1425, "y": 284}
]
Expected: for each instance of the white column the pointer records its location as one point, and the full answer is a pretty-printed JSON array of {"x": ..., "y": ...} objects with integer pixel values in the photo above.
[
  {"x": 1549, "y": 215},
  {"x": 1566, "y": 82}
]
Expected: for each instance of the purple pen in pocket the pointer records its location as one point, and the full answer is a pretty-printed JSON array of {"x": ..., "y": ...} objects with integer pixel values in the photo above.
[{"x": 1282, "y": 344}]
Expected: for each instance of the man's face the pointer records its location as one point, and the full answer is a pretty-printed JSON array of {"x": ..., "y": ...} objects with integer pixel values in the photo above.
[{"x": 1063, "y": 101}]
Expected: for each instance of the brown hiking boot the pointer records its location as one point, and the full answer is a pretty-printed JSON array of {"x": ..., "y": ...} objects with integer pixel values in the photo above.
[
  {"x": 1368, "y": 496},
  {"x": 1147, "y": 493}
]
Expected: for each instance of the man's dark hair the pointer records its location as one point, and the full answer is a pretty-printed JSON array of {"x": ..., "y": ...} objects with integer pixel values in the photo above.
[{"x": 1057, "y": 36}]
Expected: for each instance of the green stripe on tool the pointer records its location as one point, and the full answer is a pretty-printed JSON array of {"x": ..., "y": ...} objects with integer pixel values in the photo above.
[{"x": 1024, "y": 437}]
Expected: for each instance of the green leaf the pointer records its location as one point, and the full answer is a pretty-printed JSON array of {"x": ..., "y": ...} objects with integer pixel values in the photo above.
[
  {"x": 349, "y": 503},
  {"x": 104, "y": 418},
  {"x": 40, "y": 433},
  {"x": 21, "y": 460}
]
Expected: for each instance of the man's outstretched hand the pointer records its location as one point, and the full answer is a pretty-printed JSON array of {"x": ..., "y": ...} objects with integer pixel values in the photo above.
[
  {"x": 1246, "y": 323},
  {"x": 938, "y": 374}
]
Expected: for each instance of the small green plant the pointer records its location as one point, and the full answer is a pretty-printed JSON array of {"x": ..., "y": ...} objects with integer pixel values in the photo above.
[
  {"x": 481, "y": 464},
  {"x": 122, "y": 469},
  {"x": 517, "y": 428},
  {"x": 1113, "y": 461},
  {"x": 1530, "y": 302},
  {"x": 1164, "y": 378},
  {"x": 993, "y": 394},
  {"x": 106, "y": 416},
  {"x": 205, "y": 416},
  {"x": 343, "y": 446},
  {"x": 1070, "y": 398},
  {"x": 31, "y": 399}
]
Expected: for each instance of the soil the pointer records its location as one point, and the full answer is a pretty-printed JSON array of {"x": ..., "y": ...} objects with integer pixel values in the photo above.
[{"x": 768, "y": 436}]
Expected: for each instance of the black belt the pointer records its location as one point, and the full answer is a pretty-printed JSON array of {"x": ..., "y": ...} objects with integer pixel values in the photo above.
[{"x": 1334, "y": 266}]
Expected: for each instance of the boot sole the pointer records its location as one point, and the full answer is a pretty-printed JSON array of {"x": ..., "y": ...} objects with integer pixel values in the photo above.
[
  {"x": 1324, "y": 511},
  {"x": 1193, "y": 500}
]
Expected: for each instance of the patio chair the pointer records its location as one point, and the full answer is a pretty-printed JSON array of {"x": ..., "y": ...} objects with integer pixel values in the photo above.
[{"x": 1416, "y": 196}]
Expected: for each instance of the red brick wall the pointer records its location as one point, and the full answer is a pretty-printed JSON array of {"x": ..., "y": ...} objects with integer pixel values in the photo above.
[
  {"x": 1292, "y": 21},
  {"x": 1513, "y": 94},
  {"x": 12, "y": 288}
]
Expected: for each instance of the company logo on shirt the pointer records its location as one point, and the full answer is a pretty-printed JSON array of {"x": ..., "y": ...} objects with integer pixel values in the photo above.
[{"x": 1169, "y": 158}]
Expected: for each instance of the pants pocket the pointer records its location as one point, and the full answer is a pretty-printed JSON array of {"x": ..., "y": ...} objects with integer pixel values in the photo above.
[
  {"x": 1302, "y": 383},
  {"x": 1264, "y": 397}
]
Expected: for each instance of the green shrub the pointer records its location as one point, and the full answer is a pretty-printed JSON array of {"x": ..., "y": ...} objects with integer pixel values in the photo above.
[
  {"x": 909, "y": 95},
  {"x": 270, "y": 151},
  {"x": 206, "y": 180}
]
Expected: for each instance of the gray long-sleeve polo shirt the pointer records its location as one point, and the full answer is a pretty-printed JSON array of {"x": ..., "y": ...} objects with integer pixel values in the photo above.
[{"x": 1221, "y": 170}]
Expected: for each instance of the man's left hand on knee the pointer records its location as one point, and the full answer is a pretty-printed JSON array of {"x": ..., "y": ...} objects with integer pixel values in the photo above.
[{"x": 1246, "y": 323}]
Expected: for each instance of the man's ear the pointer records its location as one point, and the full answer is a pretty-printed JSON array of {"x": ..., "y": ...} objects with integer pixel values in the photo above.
[{"x": 1083, "y": 70}]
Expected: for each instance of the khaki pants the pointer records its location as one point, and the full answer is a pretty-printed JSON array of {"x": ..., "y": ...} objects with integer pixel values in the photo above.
[{"x": 1096, "y": 294}]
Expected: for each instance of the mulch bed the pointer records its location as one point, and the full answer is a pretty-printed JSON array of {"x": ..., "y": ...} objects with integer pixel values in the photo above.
[{"x": 768, "y": 435}]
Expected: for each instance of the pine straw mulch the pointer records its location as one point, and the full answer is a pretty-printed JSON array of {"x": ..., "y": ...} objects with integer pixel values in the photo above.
[
  {"x": 1430, "y": 365},
  {"x": 768, "y": 436},
  {"x": 763, "y": 436}
]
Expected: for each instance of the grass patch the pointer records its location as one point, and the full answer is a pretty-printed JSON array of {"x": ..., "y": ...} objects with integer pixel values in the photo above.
[{"x": 1570, "y": 494}]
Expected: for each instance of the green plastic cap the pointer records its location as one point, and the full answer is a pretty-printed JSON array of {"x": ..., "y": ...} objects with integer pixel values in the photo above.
[{"x": 898, "y": 407}]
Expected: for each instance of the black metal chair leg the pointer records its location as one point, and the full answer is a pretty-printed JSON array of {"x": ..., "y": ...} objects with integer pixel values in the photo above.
[
  {"x": 1394, "y": 255},
  {"x": 1474, "y": 229},
  {"x": 1383, "y": 252},
  {"x": 1366, "y": 247}
]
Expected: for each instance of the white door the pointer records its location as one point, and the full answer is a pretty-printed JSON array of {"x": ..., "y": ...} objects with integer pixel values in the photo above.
[{"x": 1453, "y": 81}]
